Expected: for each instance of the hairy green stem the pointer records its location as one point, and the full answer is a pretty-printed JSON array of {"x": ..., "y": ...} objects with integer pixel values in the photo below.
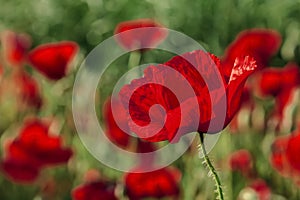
[{"x": 212, "y": 170}]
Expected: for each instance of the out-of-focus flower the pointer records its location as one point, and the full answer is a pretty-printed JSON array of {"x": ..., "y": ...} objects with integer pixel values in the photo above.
[
  {"x": 28, "y": 89},
  {"x": 52, "y": 60},
  {"x": 32, "y": 150},
  {"x": 145, "y": 94},
  {"x": 113, "y": 130},
  {"x": 15, "y": 47},
  {"x": 260, "y": 44},
  {"x": 241, "y": 161},
  {"x": 20, "y": 171},
  {"x": 140, "y": 38},
  {"x": 262, "y": 189},
  {"x": 94, "y": 189},
  {"x": 279, "y": 83},
  {"x": 22, "y": 90},
  {"x": 156, "y": 184},
  {"x": 292, "y": 151},
  {"x": 278, "y": 156},
  {"x": 285, "y": 156}
]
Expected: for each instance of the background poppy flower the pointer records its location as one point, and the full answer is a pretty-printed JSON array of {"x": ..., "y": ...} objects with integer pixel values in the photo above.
[
  {"x": 156, "y": 184},
  {"x": 242, "y": 161},
  {"x": 292, "y": 151},
  {"x": 113, "y": 131},
  {"x": 274, "y": 81},
  {"x": 145, "y": 94},
  {"x": 15, "y": 47},
  {"x": 94, "y": 191},
  {"x": 278, "y": 157},
  {"x": 284, "y": 157},
  {"x": 262, "y": 189},
  {"x": 279, "y": 83},
  {"x": 52, "y": 59},
  {"x": 260, "y": 44},
  {"x": 139, "y": 38},
  {"x": 28, "y": 89},
  {"x": 32, "y": 150},
  {"x": 20, "y": 171}
]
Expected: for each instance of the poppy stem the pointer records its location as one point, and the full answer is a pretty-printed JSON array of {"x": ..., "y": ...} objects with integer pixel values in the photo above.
[
  {"x": 134, "y": 59},
  {"x": 212, "y": 170}
]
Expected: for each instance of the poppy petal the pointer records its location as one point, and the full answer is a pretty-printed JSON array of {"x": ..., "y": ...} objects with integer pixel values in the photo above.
[
  {"x": 52, "y": 59},
  {"x": 140, "y": 37}
]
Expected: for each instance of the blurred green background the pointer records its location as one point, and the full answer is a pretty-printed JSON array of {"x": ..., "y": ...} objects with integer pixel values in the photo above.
[{"x": 212, "y": 23}]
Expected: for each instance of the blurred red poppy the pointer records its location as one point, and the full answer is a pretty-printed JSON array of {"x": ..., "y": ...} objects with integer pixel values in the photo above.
[
  {"x": 285, "y": 156},
  {"x": 33, "y": 149},
  {"x": 94, "y": 191},
  {"x": 19, "y": 170},
  {"x": 241, "y": 161},
  {"x": 113, "y": 130},
  {"x": 279, "y": 83},
  {"x": 278, "y": 156},
  {"x": 15, "y": 47},
  {"x": 292, "y": 151},
  {"x": 156, "y": 184},
  {"x": 139, "y": 38},
  {"x": 145, "y": 94},
  {"x": 28, "y": 89},
  {"x": 262, "y": 189},
  {"x": 52, "y": 59}
]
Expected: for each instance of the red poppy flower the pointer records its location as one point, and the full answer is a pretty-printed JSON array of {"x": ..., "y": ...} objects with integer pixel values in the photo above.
[
  {"x": 43, "y": 148},
  {"x": 94, "y": 191},
  {"x": 166, "y": 119},
  {"x": 33, "y": 149},
  {"x": 262, "y": 189},
  {"x": 292, "y": 152},
  {"x": 278, "y": 156},
  {"x": 19, "y": 171},
  {"x": 28, "y": 89},
  {"x": 139, "y": 38},
  {"x": 52, "y": 60},
  {"x": 15, "y": 47},
  {"x": 113, "y": 131},
  {"x": 279, "y": 83},
  {"x": 260, "y": 44},
  {"x": 156, "y": 184},
  {"x": 274, "y": 81},
  {"x": 241, "y": 160}
]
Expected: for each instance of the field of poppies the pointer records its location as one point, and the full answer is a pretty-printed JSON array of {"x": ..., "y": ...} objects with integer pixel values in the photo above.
[{"x": 226, "y": 110}]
